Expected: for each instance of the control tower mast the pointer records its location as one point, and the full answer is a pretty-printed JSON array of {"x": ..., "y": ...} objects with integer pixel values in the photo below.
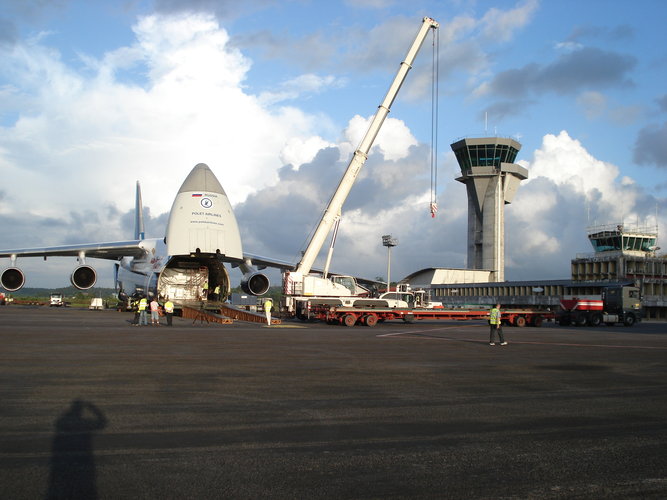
[{"x": 492, "y": 179}]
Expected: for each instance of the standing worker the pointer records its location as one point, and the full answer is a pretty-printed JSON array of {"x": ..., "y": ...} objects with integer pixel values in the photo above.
[
  {"x": 495, "y": 323},
  {"x": 169, "y": 310},
  {"x": 155, "y": 314},
  {"x": 268, "y": 305},
  {"x": 135, "y": 309},
  {"x": 143, "y": 304}
]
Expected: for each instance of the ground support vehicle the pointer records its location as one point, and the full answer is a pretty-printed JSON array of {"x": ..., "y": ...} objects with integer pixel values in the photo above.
[
  {"x": 370, "y": 316},
  {"x": 617, "y": 304},
  {"x": 56, "y": 300}
]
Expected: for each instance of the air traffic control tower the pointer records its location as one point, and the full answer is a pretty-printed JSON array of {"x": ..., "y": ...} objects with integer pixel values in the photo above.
[{"x": 492, "y": 179}]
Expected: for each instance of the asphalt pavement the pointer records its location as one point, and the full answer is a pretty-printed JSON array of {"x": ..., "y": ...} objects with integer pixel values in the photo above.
[{"x": 93, "y": 407}]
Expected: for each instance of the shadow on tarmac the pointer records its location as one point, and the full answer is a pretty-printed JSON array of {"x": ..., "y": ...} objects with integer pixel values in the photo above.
[{"x": 72, "y": 464}]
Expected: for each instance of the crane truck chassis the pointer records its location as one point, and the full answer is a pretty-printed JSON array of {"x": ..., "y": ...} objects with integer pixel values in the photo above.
[
  {"x": 372, "y": 315},
  {"x": 617, "y": 304}
]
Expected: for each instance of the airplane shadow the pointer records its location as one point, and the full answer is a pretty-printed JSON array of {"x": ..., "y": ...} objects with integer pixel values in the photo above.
[{"x": 72, "y": 464}]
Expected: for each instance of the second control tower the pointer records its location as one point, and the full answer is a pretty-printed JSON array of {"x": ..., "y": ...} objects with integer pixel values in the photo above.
[{"x": 492, "y": 179}]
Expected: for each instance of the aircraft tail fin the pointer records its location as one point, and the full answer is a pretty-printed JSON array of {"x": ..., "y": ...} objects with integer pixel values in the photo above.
[{"x": 139, "y": 232}]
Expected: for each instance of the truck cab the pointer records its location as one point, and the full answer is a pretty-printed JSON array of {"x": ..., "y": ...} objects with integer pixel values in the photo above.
[
  {"x": 56, "y": 300},
  {"x": 624, "y": 302}
]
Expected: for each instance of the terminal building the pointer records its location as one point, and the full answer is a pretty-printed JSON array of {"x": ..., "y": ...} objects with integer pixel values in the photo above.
[{"x": 623, "y": 253}]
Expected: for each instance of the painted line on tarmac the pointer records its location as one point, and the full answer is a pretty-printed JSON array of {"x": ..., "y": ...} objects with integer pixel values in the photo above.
[
  {"x": 424, "y": 334},
  {"x": 610, "y": 346},
  {"x": 285, "y": 326},
  {"x": 413, "y": 332}
]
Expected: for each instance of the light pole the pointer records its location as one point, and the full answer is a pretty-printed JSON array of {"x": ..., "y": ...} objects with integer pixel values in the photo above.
[{"x": 389, "y": 242}]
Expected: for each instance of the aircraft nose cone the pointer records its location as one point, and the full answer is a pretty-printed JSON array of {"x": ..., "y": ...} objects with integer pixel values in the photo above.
[
  {"x": 202, "y": 220},
  {"x": 201, "y": 178}
]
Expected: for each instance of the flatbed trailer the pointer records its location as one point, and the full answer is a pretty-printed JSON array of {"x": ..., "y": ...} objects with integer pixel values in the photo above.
[{"x": 370, "y": 316}]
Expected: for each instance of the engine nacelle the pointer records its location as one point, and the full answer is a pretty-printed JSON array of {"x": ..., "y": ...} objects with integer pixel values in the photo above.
[
  {"x": 12, "y": 279},
  {"x": 83, "y": 277},
  {"x": 255, "y": 283}
]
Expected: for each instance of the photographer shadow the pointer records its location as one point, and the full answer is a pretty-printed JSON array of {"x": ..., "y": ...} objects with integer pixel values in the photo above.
[{"x": 72, "y": 464}]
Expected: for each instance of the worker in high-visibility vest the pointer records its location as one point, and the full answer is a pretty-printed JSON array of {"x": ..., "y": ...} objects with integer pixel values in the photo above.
[
  {"x": 143, "y": 304},
  {"x": 169, "y": 310},
  {"x": 268, "y": 305},
  {"x": 495, "y": 324}
]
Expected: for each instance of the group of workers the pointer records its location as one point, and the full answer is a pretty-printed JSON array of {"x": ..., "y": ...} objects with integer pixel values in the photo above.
[
  {"x": 212, "y": 295},
  {"x": 142, "y": 306}
]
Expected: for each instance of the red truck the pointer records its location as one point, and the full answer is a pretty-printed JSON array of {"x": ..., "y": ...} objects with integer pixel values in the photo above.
[{"x": 617, "y": 304}]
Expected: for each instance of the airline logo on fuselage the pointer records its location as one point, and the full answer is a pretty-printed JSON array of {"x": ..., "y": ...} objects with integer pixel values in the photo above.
[
  {"x": 205, "y": 199},
  {"x": 207, "y": 202}
]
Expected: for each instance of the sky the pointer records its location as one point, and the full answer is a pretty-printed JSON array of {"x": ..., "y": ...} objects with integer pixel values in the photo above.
[{"x": 275, "y": 95}]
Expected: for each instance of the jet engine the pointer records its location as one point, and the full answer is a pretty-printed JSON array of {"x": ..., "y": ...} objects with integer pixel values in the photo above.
[
  {"x": 83, "y": 277},
  {"x": 255, "y": 283},
  {"x": 12, "y": 279}
]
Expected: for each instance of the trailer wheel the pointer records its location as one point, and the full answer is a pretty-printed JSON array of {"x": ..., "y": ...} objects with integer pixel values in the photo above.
[
  {"x": 349, "y": 320},
  {"x": 580, "y": 320},
  {"x": 537, "y": 322},
  {"x": 520, "y": 321},
  {"x": 409, "y": 318},
  {"x": 371, "y": 320},
  {"x": 596, "y": 319},
  {"x": 629, "y": 319}
]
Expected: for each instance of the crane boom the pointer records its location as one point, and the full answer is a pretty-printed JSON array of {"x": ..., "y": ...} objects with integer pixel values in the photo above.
[{"x": 359, "y": 158}]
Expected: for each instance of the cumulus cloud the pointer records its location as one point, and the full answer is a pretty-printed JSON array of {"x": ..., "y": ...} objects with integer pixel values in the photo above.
[
  {"x": 568, "y": 190},
  {"x": 99, "y": 131},
  {"x": 300, "y": 86},
  {"x": 651, "y": 146},
  {"x": 579, "y": 70},
  {"x": 594, "y": 104},
  {"x": 501, "y": 25},
  {"x": 662, "y": 102}
]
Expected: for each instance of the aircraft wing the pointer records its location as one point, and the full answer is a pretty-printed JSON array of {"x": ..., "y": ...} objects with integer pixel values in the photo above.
[
  {"x": 263, "y": 262},
  {"x": 114, "y": 250}
]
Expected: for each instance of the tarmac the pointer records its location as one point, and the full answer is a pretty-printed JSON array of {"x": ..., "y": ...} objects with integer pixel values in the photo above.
[{"x": 93, "y": 407}]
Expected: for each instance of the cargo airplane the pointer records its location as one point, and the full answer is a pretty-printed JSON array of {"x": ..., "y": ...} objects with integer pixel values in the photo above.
[{"x": 202, "y": 235}]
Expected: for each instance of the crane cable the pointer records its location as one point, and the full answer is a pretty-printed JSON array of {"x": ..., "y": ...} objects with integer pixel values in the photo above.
[{"x": 434, "y": 121}]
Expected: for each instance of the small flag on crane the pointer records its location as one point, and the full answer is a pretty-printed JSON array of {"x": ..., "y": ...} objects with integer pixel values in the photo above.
[{"x": 434, "y": 209}]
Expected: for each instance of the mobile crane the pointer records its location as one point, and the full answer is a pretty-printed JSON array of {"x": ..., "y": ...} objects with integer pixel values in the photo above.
[{"x": 299, "y": 286}]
